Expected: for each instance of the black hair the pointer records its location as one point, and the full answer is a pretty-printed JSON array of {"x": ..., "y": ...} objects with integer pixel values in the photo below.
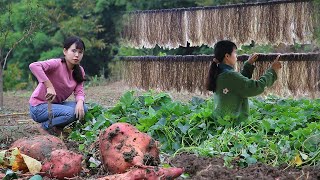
[
  {"x": 77, "y": 73},
  {"x": 221, "y": 48}
]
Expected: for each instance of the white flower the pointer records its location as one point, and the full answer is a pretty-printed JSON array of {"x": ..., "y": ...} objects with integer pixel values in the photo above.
[{"x": 225, "y": 91}]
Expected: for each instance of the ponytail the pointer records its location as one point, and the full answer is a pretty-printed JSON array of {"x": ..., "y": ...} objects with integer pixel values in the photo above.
[
  {"x": 212, "y": 77},
  {"x": 77, "y": 73}
]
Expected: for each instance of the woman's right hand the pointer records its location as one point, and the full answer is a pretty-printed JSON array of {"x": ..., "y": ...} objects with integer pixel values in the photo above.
[
  {"x": 51, "y": 94},
  {"x": 276, "y": 65}
]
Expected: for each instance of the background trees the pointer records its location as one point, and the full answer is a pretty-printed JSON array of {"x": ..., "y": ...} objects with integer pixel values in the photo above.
[{"x": 47, "y": 23}]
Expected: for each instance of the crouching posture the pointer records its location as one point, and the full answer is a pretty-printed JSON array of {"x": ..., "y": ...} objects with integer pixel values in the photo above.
[{"x": 58, "y": 78}]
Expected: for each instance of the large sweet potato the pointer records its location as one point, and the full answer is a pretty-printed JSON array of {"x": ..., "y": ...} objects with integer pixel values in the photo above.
[
  {"x": 123, "y": 146},
  {"x": 39, "y": 147},
  {"x": 62, "y": 163},
  {"x": 149, "y": 173}
]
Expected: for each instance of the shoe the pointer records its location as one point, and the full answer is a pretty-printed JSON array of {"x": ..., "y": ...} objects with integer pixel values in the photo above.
[
  {"x": 55, "y": 131},
  {"x": 41, "y": 130}
]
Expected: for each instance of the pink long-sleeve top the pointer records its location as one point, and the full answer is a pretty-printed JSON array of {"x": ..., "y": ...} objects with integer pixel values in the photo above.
[{"x": 61, "y": 78}]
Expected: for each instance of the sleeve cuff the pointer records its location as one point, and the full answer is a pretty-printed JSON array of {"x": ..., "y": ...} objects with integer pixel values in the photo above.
[
  {"x": 273, "y": 73},
  {"x": 247, "y": 64},
  {"x": 80, "y": 98}
]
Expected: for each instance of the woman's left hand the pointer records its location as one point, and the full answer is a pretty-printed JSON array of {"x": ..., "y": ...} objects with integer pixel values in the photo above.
[
  {"x": 79, "y": 111},
  {"x": 253, "y": 58}
]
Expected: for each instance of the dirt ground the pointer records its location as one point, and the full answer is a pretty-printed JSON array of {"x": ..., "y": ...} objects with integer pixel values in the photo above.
[{"x": 16, "y": 123}]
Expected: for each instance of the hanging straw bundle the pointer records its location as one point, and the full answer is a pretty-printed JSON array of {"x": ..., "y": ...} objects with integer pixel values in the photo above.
[
  {"x": 299, "y": 76},
  {"x": 272, "y": 22}
]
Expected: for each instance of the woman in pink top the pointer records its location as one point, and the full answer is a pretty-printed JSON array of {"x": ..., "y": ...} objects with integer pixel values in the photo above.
[{"x": 58, "y": 79}]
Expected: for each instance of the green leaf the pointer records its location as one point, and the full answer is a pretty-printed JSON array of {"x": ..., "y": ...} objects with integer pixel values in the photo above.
[
  {"x": 151, "y": 112},
  {"x": 161, "y": 123},
  {"x": 272, "y": 146},
  {"x": 207, "y": 112},
  {"x": 252, "y": 149},
  {"x": 176, "y": 145},
  {"x": 251, "y": 160},
  {"x": 146, "y": 123},
  {"x": 196, "y": 101},
  {"x": 244, "y": 153},
  {"x": 184, "y": 128},
  {"x": 100, "y": 122},
  {"x": 223, "y": 122},
  {"x": 304, "y": 156},
  {"x": 266, "y": 125},
  {"x": 202, "y": 125},
  {"x": 148, "y": 101},
  {"x": 165, "y": 165},
  {"x": 127, "y": 99},
  {"x": 162, "y": 98},
  {"x": 185, "y": 175},
  {"x": 81, "y": 147},
  {"x": 92, "y": 165},
  {"x": 238, "y": 146}
]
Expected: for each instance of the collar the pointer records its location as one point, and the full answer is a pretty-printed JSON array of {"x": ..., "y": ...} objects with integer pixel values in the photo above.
[{"x": 224, "y": 67}]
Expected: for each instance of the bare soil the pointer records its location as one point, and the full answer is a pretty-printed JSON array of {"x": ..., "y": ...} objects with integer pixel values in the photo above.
[
  {"x": 16, "y": 123},
  {"x": 200, "y": 168}
]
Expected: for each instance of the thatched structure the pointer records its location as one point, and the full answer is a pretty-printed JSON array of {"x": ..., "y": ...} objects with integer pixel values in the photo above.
[
  {"x": 271, "y": 22},
  {"x": 300, "y": 75}
]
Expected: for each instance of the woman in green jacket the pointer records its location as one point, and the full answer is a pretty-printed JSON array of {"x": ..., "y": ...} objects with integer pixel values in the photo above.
[{"x": 232, "y": 89}]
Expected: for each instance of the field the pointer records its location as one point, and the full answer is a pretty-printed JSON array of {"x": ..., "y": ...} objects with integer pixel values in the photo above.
[{"x": 255, "y": 163}]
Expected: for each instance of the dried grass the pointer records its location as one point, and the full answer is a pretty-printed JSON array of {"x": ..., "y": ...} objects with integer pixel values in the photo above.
[
  {"x": 274, "y": 22},
  {"x": 299, "y": 76}
]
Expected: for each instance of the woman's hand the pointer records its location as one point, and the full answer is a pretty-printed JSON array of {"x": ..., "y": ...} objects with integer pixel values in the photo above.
[
  {"x": 253, "y": 58},
  {"x": 79, "y": 111},
  {"x": 51, "y": 94},
  {"x": 276, "y": 65}
]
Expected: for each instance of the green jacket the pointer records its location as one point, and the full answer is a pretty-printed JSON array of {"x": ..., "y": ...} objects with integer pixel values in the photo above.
[{"x": 234, "y": 88}]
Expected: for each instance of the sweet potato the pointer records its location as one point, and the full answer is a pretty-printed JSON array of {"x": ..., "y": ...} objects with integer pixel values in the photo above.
[
  {"x": 39, "y": 147},
  {"x": 62, "y": 163},
  {"x": 149, "y": 173},
  {"x": 123, "y": 146}
]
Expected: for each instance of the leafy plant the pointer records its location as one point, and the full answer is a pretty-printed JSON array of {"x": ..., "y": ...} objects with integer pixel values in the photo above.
[{"x": 278, "y": 131}]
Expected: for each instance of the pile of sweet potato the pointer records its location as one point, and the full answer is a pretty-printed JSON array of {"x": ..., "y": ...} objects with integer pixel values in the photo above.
[
  {"x": 126, "y": 150},
  {"x": 57, "y": 161}
]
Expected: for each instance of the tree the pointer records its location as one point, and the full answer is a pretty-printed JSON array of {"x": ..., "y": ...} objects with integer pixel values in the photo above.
[
  {"x": 60, "y": 19},
  {"x": 18, "y": 22}
]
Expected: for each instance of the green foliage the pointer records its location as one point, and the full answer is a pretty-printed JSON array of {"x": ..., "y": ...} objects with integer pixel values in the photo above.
[
  {"x": 157, "y": 51},
  {"x": 52, "y": 53},
  {"x": 13, "y": 78},
  {"x": 40, "y": 40},
  {"x": 99, "y": 23},
  {"x": 127, "y": 51},
  {"x": 249, "y": 49},
  {"x": 51, "y": 22},
  {"x": 17, "y": 18},
  {"x": 95, "y": 81},
  {"x": 277, "y": 131},
  {"x": 217, "y": 2}
]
